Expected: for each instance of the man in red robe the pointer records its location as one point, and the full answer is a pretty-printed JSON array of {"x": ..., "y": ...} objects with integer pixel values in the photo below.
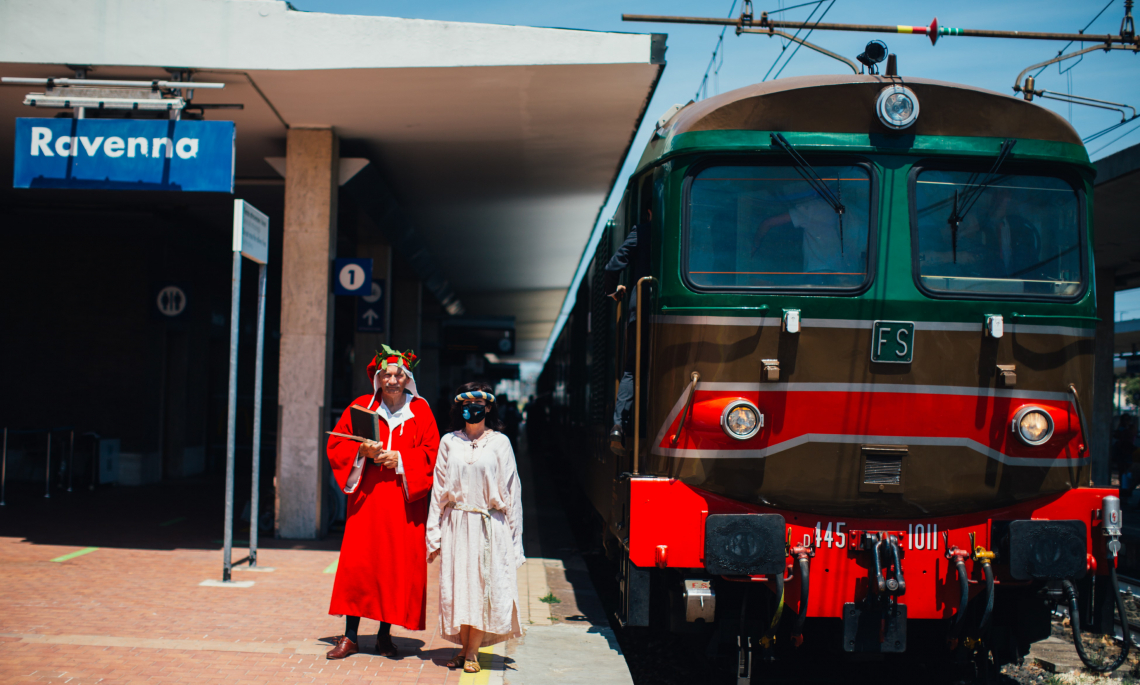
[{"x": 382, "y": 572}]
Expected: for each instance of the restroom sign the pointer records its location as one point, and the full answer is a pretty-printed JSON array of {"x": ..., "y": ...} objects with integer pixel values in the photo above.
[
  {"x": 171, "y": 301},
  {"x": 352, "y": 277}
]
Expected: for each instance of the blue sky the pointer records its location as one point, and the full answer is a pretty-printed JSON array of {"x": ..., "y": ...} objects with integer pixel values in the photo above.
[{"x": 986, "y": 63}]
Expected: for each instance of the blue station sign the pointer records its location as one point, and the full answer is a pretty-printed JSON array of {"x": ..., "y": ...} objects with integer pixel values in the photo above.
[
  {"x": 370, "y": 309},
  {"x": 352, "y": 276},
  {"x": 124, "y": 154}
]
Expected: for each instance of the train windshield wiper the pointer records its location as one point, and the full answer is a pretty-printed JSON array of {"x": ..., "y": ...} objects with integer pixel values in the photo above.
[
  {"x": 810, "y": 175},
  {"x": 975, "y": 186},
  {"x": 814, "y": 180}
]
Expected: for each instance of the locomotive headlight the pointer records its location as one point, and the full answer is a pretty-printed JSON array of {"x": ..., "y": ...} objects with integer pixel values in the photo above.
[
  {"x": 897, "y": 106},
  {"x": 1033, "y": 425},
  {"x": 741, "y": 420}
]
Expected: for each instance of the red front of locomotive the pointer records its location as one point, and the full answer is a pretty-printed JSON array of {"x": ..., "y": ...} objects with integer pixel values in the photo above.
[{"x": 668, "y": 523}]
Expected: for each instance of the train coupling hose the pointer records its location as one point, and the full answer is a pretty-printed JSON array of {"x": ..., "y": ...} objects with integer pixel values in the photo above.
[
  {"x": 768, "y": 639},
  {"x": 957, "y": 556},
  {"x": 802, "y": 555},
  {"x": 1112, "y": 527},
  {"x": 985, "y": 557}
]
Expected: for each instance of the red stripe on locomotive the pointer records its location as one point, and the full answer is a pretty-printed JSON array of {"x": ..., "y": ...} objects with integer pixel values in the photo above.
[{"x": 789, "y": 415}]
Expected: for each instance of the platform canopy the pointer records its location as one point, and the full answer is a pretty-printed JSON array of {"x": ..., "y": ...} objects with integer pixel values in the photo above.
[
  {"x": 501, "y": 143},
  {"x": 1117, "y": 187}
]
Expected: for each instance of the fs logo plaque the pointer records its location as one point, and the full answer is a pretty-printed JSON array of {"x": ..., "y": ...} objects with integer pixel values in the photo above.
[{"x": 892, "y": 342}]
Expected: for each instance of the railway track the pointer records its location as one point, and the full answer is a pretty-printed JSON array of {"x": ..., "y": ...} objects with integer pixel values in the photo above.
[{"x": 1131, "y": 589}]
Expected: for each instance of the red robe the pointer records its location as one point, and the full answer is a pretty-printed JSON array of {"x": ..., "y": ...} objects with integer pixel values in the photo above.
[{"x": 382, "y": 572}]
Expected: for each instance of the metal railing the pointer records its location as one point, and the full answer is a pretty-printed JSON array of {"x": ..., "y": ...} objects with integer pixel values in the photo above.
[
  {"x": 637, "y": 379},
  {"x": 70, "y": 455}
]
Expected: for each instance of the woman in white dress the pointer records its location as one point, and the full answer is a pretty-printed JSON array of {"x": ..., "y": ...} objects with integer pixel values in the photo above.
[{"x": 475, "y": 527}]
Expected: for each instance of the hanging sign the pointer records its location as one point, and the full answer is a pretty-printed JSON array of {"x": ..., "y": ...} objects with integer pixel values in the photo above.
[
  {"x": 124, "y": 154},
  {"x": 352, "y": 276},
  {"x": 251, "y": 232},
  {"x": 370, "y": 309}
]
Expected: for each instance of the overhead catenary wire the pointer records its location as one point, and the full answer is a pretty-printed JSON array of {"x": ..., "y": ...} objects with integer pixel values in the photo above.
[
  {"x": 795, "y": 36},
  {"x": 934, "y": 31},
  {"x": 717, "y": 51},
  {"x": 1072, "y": 99},
  {"x": 1112, "y": 142},
  {"x": 1070, "y": 43},
  {"x": 793, "y": 7},
  {"x": 800, "y": 45}
]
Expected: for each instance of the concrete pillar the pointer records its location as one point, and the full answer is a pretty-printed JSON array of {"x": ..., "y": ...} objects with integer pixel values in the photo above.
[
  {"x": 304, "y": 385},
  {"x": 1103, "y": 381}
]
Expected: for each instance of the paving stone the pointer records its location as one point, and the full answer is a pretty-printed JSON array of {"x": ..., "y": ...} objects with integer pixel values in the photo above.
[{"x": 138, "y": 615}]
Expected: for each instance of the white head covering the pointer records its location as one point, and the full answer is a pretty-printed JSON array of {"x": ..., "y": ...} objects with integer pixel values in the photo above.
[{"x": 411, "y": 387}]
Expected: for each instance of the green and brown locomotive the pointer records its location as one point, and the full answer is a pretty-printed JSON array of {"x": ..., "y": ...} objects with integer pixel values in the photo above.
[{"x": 860, "y": 353}]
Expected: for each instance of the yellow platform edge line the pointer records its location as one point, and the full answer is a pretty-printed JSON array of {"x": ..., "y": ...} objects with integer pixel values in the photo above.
[{"x": 483, "y": 677}]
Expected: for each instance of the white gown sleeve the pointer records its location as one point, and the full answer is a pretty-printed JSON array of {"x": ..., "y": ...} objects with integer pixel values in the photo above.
[
  {"x": 438, "y": 490},
  {"x": 511, "y": 489},
  {"x": 354, "y": 477},
  {"x": 400, "y": 473}
]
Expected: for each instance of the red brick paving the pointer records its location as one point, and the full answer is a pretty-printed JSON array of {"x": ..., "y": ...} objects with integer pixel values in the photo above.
[{"x": 154, "y": 594}]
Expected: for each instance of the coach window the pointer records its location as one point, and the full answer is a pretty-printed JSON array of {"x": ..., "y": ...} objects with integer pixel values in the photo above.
[
  {"x": 767, "y": 227},
  {"x": 1018, "y": 236}
]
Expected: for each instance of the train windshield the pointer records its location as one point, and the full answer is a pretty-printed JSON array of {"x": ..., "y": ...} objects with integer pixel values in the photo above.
[
  {"x": 1020, "y": 235},
  {"x": 767, "y": 227}
]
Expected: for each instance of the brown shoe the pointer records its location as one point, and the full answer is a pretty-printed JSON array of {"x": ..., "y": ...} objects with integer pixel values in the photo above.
[
  {"x": 385, "y": 647},
  {"x": 343, "y": 648}
]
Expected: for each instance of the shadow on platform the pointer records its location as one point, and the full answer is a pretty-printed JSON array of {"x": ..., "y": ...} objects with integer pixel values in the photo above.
[{"x": 184, "y": 514}]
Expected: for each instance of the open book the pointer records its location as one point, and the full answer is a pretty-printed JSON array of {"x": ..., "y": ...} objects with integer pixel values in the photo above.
[{"x": 365, "y": 425}]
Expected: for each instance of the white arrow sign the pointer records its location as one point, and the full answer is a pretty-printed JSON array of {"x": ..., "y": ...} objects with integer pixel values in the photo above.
[{"x": 370, "y": 316}]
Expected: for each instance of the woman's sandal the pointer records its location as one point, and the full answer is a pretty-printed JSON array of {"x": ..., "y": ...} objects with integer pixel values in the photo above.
[
  {"x": 457, "y": 661},
  {"x": 471, "y": 667}
]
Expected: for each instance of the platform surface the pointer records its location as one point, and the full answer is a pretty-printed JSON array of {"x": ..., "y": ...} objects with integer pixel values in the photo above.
[
  {"x": 567, "y": 653},
  {"x": 106, "y": 587},
  {"x": 568, "y": 641}
]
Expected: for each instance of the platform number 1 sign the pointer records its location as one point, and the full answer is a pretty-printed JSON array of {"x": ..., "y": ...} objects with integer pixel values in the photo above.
[
  {"x": 352, "y": 277},
  {"x": 892, "y": 342}
]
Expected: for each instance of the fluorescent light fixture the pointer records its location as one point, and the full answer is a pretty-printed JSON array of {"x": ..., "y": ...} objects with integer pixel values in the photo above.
[{"x": 67, "y": 102}]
